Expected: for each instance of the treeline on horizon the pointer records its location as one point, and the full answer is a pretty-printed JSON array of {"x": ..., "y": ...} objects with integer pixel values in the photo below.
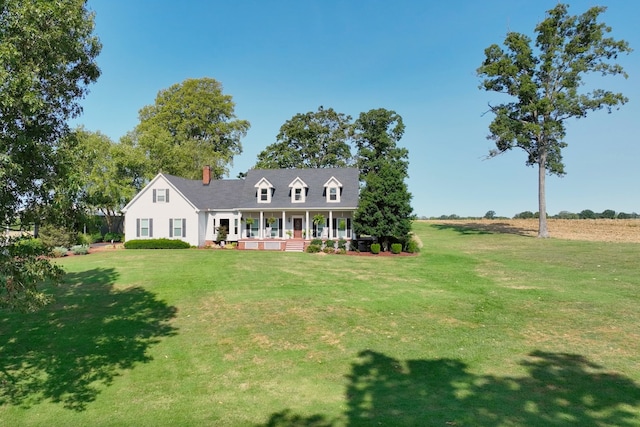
[{"x": 585, "y": 214}]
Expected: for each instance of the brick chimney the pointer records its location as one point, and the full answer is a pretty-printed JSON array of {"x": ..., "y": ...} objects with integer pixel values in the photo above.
[{"x": 206, "y": 175}]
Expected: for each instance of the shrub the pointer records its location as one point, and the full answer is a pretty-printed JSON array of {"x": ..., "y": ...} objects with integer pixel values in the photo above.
[
  {"x": 59, "y": 251},
  {"x": 222, "y": 233},
  {"x": 412, "y": 247},
  {"x": 396, "y": 248},
  {"x": 85, "y": 239},
  {"x": 53, "y": 236},
  {"x": 329, "y": 250},
  {"x": 330, "y": 244},
  {"x": 342, "y": 244},
  {"x": 316, "y": 242},
  {"x": 80, "y": 249},
  {"x": 156, "y": 244},
  {"x": 30, "y": 246},
  {"x": 313, "y": 249},
  {"x": 116, "y": 237},
  {"x": 96, "y": 237},
  {"x": 375, "y": 248},
  {"x": 341, "y": 251}
]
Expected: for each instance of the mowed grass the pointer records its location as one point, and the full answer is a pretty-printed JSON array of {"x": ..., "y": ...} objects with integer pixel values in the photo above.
[{"x": 480, "y": 329}]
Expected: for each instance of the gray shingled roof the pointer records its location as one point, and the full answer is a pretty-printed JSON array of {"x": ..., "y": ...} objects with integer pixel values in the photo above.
[
  {"x": 315, "y": 180},
  {"x": 242, "y": 193},
  {"x": 219, "y": 194}
]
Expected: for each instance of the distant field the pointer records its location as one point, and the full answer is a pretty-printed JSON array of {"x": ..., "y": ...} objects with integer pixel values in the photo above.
[{"x": 597, "y": 230}]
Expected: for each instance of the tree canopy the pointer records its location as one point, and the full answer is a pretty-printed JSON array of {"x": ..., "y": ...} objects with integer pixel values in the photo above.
[
  {"x": 318, "y": 139},
  {"x": 191, "y": 124},
  {"x": 546, "y": 80},
  {"x": 384, "y": 209},
  {"x": 47, "y": 59}
]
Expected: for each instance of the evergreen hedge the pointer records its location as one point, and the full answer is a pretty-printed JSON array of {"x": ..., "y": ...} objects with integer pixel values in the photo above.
[{"x": 156, "y": 244}]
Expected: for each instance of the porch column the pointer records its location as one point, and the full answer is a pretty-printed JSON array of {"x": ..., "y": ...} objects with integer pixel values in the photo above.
[
  {"x": 241, "y": 232},
  {"x": 330, "y": 225},
  {"x": 306, "y": 225},
  {"x": 261, "y": 226},
  {"x": 283, "y": 229}
]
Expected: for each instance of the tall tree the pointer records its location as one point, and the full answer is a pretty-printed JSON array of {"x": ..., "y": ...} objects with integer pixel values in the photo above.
[
  {"x": 546, "y": 80},
  {"x": 191, "y": 124},
  {"x": 47, "y": 59},
  {"x": 101, "y": 175},
  {"x": 318, "y": 139},
  {"x": 384, "y": 209}
]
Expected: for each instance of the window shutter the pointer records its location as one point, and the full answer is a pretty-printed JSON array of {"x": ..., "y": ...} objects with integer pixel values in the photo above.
[
  {"x": 137, "y": 227},
  {"x": 150, "y": 227},
  {"x": 166, "y": 195},
  {"x": 154, "y": 196},
  {"x": 184, "y": 227},
  {"x": 170, "y": 228}
]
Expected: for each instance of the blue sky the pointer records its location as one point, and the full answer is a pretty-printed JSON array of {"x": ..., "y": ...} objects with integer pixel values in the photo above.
[{"x": 279, "y": 58}]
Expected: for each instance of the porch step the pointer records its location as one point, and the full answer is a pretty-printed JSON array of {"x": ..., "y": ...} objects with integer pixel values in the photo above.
[{"x": 294, "y": 246}]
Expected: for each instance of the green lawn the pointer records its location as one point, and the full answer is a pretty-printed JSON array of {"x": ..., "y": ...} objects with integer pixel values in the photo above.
[{"x": 478, "y": 330}]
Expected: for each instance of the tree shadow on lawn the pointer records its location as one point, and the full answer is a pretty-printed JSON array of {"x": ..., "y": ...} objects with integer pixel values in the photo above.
[
  {"x": 559, "y": 390},
  {"x": 70, "y": 349},
  {"x": 465, "y": 227}
]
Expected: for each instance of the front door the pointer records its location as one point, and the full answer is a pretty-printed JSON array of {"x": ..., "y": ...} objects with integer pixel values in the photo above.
[{"x": 297, "y": 228}]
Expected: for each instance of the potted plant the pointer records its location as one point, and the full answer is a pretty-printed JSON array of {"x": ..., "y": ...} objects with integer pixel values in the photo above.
[
  {"x": 342, "y": 226},
  {"x": 249, "y": 222},
  {"x": 222, "y": 235},
  {"x": 270, "y": 221},
  {"x": 317, "y": 220}
]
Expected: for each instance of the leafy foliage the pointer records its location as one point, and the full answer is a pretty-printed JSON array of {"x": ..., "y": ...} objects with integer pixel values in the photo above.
[
  {"x": 313, "y": 249},
  {"x": 384, "y": 209},
  {"x": 545, "y": 79},
  {"x": 47, "y": 58},
  {"x": 101, "y": 175},
  {"x": 23, "y": 268},
  {"x": 156, "y": 244},
  {"x": 375, "y": 248},
  {"x": 191, "y": 124},
  {"x": 318, "y": 139},
  {"x": 52, "y": 236}
]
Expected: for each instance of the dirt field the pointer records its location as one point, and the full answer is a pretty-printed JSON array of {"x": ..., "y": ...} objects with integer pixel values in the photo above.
[{"x": 604, "y": 230}]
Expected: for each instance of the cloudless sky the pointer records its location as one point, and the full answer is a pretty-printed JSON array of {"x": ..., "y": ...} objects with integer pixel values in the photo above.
[{"x": 279, "y": 58}]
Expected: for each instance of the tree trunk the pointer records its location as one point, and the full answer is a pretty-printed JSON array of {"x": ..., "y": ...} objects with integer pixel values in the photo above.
[{"x": 542, "y": 201}]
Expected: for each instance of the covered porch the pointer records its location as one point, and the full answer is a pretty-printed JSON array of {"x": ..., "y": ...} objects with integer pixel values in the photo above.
[{"x": 269, "y": 227}]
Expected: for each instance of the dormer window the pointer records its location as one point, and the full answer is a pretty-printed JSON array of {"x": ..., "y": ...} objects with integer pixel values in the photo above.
[
  {"x": 333, "y": 187},
  {"x": 264, "y": 191},
  {"x": 298, "y": 190}
]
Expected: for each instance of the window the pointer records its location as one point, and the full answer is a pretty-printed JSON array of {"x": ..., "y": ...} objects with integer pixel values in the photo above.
[
  {"x": 332, "y": 190},
  {"x": 161, "y": 195},
  {"x": 144, "y": 227},
  {"x": 177, "y": 227},
  {"x": 298, "y": 190},
  {"x": 264, "y": 191}
]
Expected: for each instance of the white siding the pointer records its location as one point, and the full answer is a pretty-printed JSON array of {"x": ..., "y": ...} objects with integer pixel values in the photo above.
[{"x": 177, "y": 207}]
